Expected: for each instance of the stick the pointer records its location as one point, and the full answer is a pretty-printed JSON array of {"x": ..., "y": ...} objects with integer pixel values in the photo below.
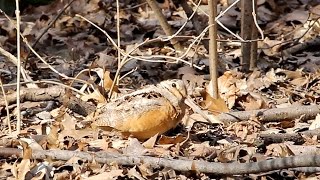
[
  {"x": 273, "y": 115},
  {"x": 310, "y": 160}
]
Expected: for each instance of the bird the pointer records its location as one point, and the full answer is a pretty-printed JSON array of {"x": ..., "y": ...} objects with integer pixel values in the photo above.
[{"x": 144, "y": 113}]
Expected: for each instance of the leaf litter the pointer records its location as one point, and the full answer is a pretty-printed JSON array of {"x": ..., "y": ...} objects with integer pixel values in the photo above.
[{"x": 72, "y": 45}]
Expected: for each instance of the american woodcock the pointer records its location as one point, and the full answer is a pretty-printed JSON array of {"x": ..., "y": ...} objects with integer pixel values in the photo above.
[{"x": 146, "y": 112}]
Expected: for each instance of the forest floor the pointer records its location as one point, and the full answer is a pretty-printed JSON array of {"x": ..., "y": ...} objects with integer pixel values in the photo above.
[{"x": 267, "y": 119}]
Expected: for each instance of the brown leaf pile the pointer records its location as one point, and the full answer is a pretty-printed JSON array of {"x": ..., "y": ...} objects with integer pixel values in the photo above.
[{"x": 284, "y": 78}]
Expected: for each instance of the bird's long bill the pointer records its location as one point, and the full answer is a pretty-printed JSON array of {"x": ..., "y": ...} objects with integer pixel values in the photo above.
[{"x": 210, "y": 118}]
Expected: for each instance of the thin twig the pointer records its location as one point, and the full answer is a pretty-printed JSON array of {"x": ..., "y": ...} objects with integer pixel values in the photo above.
[
  {"x": 7, "y": 106},
  {"x": 254, "y": 15},
  {"x": 60, "y": 12},
  {"x": 14, "y": 60},
  {"x": 126, "y": 58},
  {"x": 164, "y": 24},
  {"x": 140, "y": 58},
  {"x": 18, "y": 67},
  {"x": 168, "y": 38},
  {"x": 49, "y": 82},
  {"x": 118, "y": 38},
  {"x": 213, "y": 49},
  {"x": 35, "y": 53}
]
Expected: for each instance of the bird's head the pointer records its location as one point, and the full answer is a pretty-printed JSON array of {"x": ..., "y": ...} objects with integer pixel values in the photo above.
[{"x": 176, "y": 87}]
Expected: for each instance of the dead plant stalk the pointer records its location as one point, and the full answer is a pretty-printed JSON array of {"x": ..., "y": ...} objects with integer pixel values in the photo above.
[{"x": 18, "y": 67}]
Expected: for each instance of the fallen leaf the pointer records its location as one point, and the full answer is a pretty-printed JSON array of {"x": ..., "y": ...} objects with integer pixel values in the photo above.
[
  {"x": 316, "y": 123},
  {"x": 215, "y": 106},
  {"x": 171, "y": 140},
  {"x": 151, "y": 142}
]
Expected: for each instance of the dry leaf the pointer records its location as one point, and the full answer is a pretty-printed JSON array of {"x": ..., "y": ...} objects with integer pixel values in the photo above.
[
  {"x": 216, "y": 106},
  {"x": 112, "y": 174},
  {"x": 95, "y": 95},
  {"x": 316, "y": 123},
  {"x": 107, "y": 83},
  {"x": 171, "y": 140},
  {"x": 151, "y": 142}
]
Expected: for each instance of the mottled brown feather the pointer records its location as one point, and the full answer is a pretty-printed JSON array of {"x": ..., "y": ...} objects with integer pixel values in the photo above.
[{"x": 146, "y": 112}]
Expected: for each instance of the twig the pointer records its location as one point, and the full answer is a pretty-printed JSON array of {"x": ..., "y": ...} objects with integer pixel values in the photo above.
[
  {"x": 188, "y": 101},
  {"x": 294, "y": 137},
  {"x": 55, "y": 93},
  {"x": 126, "y": 74},
  {"x": 254, "y": 35},
  {"x": 213, "y": 49},
  {"x": 246, "y": 32},
  {"x": 225, "y": 28},
  {"x": 118, "y": 38},
  {"x": 141, "y": 58},
  {"x": 310, "y": 160},
  {"x": 254, "y": 15},
  {"x": 7, "y": 108},
  {"x": 302, "y": 46},
  {"x": 193, "y": 15},
  {"x": 126, "y": 58},
  {"x": 164, "y": 24},
  {"x": 14, "y": 60},
  {"x": 272, "y": 115},
  {"x": 60, "y": 12},
  {"x": 49, "y": 82},
  {"x": 18, "y": 67},
  {"x": 35, "y": 53}
]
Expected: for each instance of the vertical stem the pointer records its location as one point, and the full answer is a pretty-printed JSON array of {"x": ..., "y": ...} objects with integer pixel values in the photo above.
[
  {"x": 246, "y": 31},
  {"x": 7, "y": 106},
  {"x": 18, "y": 67},
  {"x": 118, "y": 34},
  {"x": 213, "y": 53},
  {"x": 254, "y": 44}
]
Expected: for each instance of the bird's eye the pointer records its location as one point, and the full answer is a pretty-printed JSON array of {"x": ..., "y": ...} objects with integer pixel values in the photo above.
[{"x": 174, "y": 85}]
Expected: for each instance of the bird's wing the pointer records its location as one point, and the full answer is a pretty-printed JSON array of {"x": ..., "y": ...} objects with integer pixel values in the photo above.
[{"x": 142, "y": 113}]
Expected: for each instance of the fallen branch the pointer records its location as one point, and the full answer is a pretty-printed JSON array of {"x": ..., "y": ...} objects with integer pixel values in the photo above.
[
  {"x": 265, "y": 115},
  {"x": 273, "y": 115},
  {"x": 53, "y": 93},
  {"x": 178, "y": 165},
  {"x": 294, "y": 137},
  {"x": 302, "y": 46}
]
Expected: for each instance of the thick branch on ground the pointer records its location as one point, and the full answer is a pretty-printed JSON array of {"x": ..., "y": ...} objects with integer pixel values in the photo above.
[
  {"x": 302, "y": 46},
  {"x": 273, "y": 115},
  {"x": 35, "y": 94},
  {"x": 53, "y": 93},
  {"x": 57, "y": 93},
  {"x": 295, "y": 137},
  {"x": 178, "y": 165}
]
